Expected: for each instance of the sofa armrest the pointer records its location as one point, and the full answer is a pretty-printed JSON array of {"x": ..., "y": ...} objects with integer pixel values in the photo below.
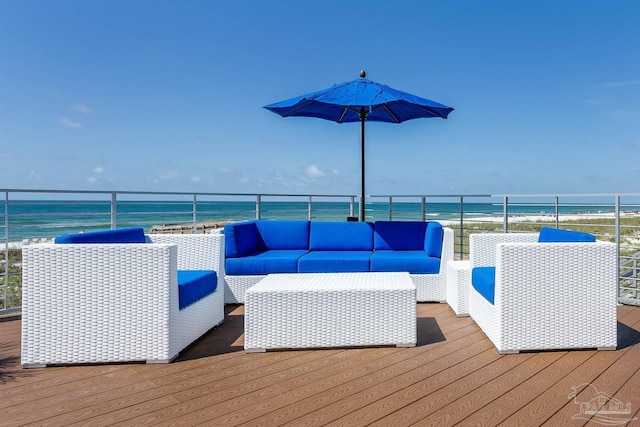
[
  {"x": 447, "y": 249},
  {"x": 196, "y": 251},
  {"x": 91, "y": 303},
  {"x": 482, "y": 247},
  {"x": 565, "y": 281}
]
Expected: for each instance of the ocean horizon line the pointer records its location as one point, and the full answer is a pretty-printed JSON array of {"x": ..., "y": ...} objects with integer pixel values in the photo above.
[{"x": 48, "y": 219}]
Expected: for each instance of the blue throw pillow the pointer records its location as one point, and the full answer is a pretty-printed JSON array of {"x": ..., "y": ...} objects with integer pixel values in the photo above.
[{"x": 548, "y": 234}]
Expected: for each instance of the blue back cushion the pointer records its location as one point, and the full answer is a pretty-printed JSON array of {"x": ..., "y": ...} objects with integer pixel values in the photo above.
[
  {"x": 193, "y": 285},
  {"x": 483, "y": 280},
  {"x": 119, "y": 235},
  {"x": 341, "y": 236},
  {"x": 548, "y": 234},
  {"x": 399, "y": 235},
  {"x": 283, "y": 234},
  {"x": 241, "y": 238}
]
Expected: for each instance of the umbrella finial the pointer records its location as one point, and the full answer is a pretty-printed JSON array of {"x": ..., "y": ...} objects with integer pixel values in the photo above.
[{"x": 363, "y": 73}]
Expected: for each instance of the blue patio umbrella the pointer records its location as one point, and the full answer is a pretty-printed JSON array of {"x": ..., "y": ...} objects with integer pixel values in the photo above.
[{"x": 361, "y": 100}]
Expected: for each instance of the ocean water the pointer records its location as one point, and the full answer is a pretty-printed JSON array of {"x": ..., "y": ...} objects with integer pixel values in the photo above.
[{"x": 36, "y": 219}]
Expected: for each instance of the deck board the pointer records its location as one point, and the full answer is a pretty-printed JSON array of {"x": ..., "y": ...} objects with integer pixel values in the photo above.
[{"x": 453, "y": 376}]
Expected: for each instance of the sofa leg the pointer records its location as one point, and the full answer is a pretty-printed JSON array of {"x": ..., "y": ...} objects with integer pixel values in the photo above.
[
  {"x": 34, "y": 365},
  {"x": 509, "y": 351},
  {"x": 255, "y": 350},
  {"x": 158, "y": 362},
  {"x": 607, "y": 348}
]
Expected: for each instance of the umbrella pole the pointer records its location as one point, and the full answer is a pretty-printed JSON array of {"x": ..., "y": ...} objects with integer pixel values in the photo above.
[{"x": 363, "y": 115}]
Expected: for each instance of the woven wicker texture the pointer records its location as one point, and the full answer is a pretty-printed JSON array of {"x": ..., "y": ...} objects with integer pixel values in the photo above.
[
  {"x": 330, "y": 310},
  {"x": 458, "y": 283},
  {"x": 549, "y": 296},
  {"x": 91, "y": 303}
]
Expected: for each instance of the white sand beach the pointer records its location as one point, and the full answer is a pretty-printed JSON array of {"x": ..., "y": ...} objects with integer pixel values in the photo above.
[{"x": 544, "y": 217}]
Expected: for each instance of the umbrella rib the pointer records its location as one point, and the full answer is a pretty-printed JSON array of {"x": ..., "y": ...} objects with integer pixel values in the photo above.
[
  {"x": 302, "y": 107},
  {"x": 434, "y": 112},
  {"x": 393, "y": 116}
]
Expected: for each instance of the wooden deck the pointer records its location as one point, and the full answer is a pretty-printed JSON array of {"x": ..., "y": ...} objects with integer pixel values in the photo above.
[{"x": 454, "y": 376}]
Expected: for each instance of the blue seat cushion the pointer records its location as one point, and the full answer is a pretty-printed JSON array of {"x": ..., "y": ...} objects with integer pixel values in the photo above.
[
  {"x": 414, "y": 262},
  {"x": 193, "y": 285},
  {"x": 483, "y": 279},
  {"x": 118, "y": 235},
  {"x": 548, "y": 234},
  {"x": 266, "y": 262},
  {"x": 334, "y": 262},
  {"x": 341, "y": 236}
]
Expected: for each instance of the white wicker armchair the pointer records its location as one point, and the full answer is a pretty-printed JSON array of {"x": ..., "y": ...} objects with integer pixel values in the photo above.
[
  {"x": 547, "y": 295},
  {"x": 93, "y": 303}
]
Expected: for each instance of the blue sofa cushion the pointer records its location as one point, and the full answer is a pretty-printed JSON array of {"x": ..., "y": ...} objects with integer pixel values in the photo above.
[
  {"x": 483, "y": 279},
  {"x": 267, "y": 262},
  {"x": 283, "y": 234},
  {"x": 334, "y": 262},
  {"x": 548, "y": 234},
  {"x": 399, "y": 235},
  {"x": 414, "y": 262},
  {"x": 118, "y": 235},
  {"x": 240, "y": 239},
  {"x": 193, "y": 285},
  {"x": 341, "y": 236}
]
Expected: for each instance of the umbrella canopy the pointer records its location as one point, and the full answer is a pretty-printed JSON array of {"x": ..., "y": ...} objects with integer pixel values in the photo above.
[{"x": 358, "y": 101}]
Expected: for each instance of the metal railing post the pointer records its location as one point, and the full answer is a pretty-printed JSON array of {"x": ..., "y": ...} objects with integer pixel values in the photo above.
[
  {"x": 309, "y": 208},
  {"x": 461, "y": 245},
  {"x": 114, "y": 211},
  {"x": 390, "y": 208},
  {"x": 5, "y": 251},
  {"x": 352, "y": 206},
  {"x": 617, "y": 238},
  {"x": 423, "y": 208},
  {"x": 194, "y": 214},
  {"x": 505, "y": 213},
  {"x": 557, "y": 207},
  {"x": 258, "y": 206}
]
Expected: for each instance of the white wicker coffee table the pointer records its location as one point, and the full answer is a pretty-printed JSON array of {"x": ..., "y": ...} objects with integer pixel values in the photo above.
[{"x": 318, "y": 310}]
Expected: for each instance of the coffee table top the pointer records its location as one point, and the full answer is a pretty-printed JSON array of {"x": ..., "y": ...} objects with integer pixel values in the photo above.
[{"x": 334, "y": 282}]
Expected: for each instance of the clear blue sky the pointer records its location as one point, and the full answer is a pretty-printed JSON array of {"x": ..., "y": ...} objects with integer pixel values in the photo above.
[{"x": 167, "y": 95}]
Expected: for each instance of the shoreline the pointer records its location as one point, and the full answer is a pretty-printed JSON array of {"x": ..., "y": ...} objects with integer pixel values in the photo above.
[
  {"x": 207, "y": 226},
  {"x": 544, "y": 217}
]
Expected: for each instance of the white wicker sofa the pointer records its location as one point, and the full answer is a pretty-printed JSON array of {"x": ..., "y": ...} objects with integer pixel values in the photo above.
[
  {"x": 547, "y": 295},
  {"x": 116, "y": 302},
  {"x": 293, "y": 246}
]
